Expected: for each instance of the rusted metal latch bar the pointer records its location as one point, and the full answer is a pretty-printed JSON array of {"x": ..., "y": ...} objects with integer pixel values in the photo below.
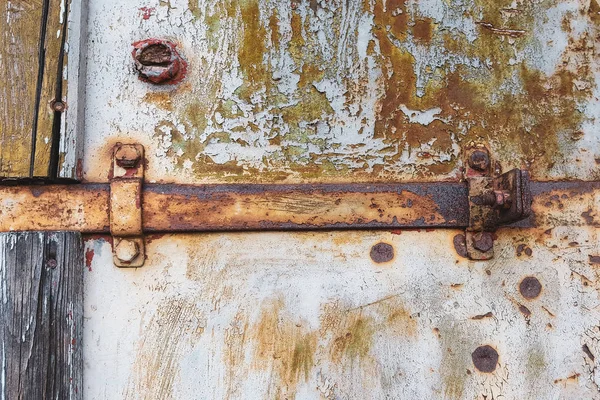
[
  {"x": 128, "y": 208},
  {"x": 493, "y": 201},
  {"x": 126, "y": 191}
]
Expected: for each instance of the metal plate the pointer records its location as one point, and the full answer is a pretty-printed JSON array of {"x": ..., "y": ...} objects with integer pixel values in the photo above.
[
  {"x": 347, "y": 91},
  {"x": 312, "y": 315}
]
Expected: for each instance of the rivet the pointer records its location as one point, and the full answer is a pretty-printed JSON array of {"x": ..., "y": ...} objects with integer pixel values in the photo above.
[
  {"x": 530, "y": 287},
  {"x": 460, "y": 245},
  {"x": 58, "y": 106},
  {"x": 485, "y": 358},
  {"x": 479, "y": 160},
  {"x": 382, "y": 252}
]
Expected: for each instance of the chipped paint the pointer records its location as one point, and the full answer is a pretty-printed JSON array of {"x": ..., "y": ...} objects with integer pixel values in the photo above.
[
  {"x": 350, "y": 91},
  {"x": 299, "y": 315}
]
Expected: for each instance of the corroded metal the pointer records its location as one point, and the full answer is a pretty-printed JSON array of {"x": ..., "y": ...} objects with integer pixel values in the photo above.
[
  {"x": 310, "y": 315},
  {"x": 126, "y": 190},
  {"x": 180, "y": 208},
  {"x": 350, "y": 91}
]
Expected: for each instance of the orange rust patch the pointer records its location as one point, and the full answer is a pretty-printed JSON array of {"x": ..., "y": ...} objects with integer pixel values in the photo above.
[
  {"x": 283, "y": 345},
  {"x": 423, "y": 30},
  {"x": 159, "y": 99}
]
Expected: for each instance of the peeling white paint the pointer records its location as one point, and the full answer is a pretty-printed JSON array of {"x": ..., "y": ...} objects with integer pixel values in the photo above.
[{"x": 421, "y": 117}]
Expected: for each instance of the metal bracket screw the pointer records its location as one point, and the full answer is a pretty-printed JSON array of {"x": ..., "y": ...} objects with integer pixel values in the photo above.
[
  {"x": 127, "y": 156},
  {"x": 127, "y": 250}
]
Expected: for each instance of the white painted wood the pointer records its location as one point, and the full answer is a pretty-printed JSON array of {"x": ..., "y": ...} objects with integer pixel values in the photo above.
[{"x": 72, "y": 121}]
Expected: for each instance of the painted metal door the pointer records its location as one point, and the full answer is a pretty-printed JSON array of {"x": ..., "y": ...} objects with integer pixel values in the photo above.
[{"x": 288, "y": 102}]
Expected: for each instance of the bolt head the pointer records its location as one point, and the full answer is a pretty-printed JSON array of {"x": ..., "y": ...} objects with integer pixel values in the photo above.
[
  {"x": 127, "y": 250},
  {"x": 479, "y": 160},
  {"x": 483, "y": 241},
  {"x": 158, "y": 62},
  {"x": 59, "y": 106},
  {"x": 127, "y": 156}
]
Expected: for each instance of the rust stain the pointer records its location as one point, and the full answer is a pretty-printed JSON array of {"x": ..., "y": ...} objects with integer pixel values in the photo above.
[
  {"x": 525, "y": 311},
  {"x": 571, "y": 379},
  {"x": 351, "y": 331},
  {"x": 423, "y": 30},
  {"x": 482, "y": 316},
  {"x": 89, "y": 256},
  {"x": 594, "y": 259},
  {"x": 284, "y": 346},
  {"x": 524, "y": 249},
  {"x": 514, "y": 33},
  {"x": 161, "y": 100}
]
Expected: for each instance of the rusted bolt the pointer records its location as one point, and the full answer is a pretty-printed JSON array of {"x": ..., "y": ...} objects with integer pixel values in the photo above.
[
  {"x": 51, "y": 263},
  {"x": 127, "y": 156},
  {"x": 382, "y": 252},
  {"x": 493, "y": 198},
  {"x": 530, "y": 287},
  {"x": 479, "y": 160},
  {"x": 483, "y": 241},
  {"x": 503, "y": 199},
  {"x": 485, "y": 358},
  {"x": 58, "y": 106},
  {"x": 127, "y": 250},
  {"x": 157, "y": 61}
]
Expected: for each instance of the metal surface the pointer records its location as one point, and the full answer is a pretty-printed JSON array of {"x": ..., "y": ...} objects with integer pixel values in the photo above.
[
  {"x": 310, "y": 315},
  {"x": 180, "y": 208},
  {"x": 126, "y": 183},
  {"x": 281, "y": 91},
  {"x": 348, "y": 94}
]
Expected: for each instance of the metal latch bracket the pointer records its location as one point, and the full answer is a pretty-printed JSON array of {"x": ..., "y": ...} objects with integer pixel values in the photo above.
[
  {"x": 493, "y": 201},
  {"x": 126, "y": 189}
]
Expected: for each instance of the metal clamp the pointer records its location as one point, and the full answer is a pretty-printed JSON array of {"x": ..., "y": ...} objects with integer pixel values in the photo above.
[
  {"x": 126, "y": 205},
  {"x": 493, "y": 201}
]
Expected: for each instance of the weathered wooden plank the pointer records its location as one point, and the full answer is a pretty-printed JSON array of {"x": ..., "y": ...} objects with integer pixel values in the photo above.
[
  {"x": 47, "y": 130},
  {"x": 41, "y": 315},
  {"x": 33, "y": 138},
  {"x": 19, "y": 67}
]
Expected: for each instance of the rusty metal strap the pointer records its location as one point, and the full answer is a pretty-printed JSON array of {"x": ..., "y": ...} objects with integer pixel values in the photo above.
[{"x": 181, "y": 208}]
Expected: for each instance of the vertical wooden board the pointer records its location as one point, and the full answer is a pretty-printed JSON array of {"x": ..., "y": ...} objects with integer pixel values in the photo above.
[
  {"x": 19, "y": 66},
  {"x": 70, "y": 151},
  {"x": 33, "y": 64},
  {"x": 51, "y": 58},
  {"x": 41, "y": 315}
]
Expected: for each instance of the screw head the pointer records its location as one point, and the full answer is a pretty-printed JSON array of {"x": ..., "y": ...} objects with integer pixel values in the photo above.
[
  {"x": 483, "y": 241},
  {"x": 479, "y": 160},
  {"x": 59, "y": 106},
  {"x": 127, "y": 250},
  {"x": 127, "y": 156}
]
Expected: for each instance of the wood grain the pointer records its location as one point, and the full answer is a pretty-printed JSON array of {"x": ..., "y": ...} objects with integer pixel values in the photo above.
[
  {"x": 51, "y": 57},
  {"x": 32, "y": 60},
  {"x": 41, "y": 315},
  {"x": 19, "y": 66}
]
